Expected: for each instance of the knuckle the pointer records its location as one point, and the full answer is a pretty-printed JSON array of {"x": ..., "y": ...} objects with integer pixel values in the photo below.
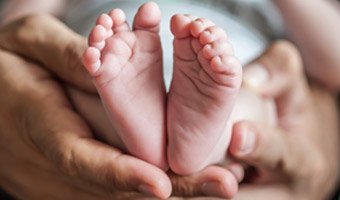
[
  {"x": 66, "y": 162},
  {"x": 30, "y": 23},
  {"x": 115, "y": 177}
]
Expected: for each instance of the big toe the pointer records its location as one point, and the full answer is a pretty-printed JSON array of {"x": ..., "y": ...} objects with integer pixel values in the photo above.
[
  {"x": 180, "y": 25},
  {"x": 148, "y": 17}
]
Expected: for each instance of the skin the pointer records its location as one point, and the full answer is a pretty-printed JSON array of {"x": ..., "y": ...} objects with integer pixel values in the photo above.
[
  {"x": 126, "y": 67},
  {"x": 206, "y": 81},
  {"x": 181, "y": 186},
  {"x": 117, "y": 176}
]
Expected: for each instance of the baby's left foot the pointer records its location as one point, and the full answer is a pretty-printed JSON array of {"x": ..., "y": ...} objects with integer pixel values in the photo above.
[{"x": 206, "y": 81}]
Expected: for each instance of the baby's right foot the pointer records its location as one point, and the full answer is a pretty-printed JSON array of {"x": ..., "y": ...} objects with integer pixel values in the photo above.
[
  {"x": 126, "y": 66},
  {"x": 206, "y": 81}
]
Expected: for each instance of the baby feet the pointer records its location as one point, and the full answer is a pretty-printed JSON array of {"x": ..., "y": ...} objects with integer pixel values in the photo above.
[
  {"x": 206, "y": 81},
  {"x": 126, "y": 66}
]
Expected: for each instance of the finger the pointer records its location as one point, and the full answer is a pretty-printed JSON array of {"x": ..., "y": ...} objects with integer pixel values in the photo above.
[
  {"x": 278, "y": 74},
  {"x": 67, "y": 141},
  {"x": 47, "y": 41},
  {"x": 89, "y": 106},
  {"x": 237, "y": 169},
  {"x": 257, "y": 147},
  {"x": 270, "y": 149},
  {"x": 260, "y": 192},
  {"x": 212, "y": 181}
]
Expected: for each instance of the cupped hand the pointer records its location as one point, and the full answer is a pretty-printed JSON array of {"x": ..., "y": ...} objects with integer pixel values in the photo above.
[
  {"x": 47, "y": 149},
  {"x": 299, "y": 158}
]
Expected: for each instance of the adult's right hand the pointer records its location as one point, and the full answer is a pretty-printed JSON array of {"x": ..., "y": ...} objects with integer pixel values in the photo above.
[{"x": 47, "y": 149}]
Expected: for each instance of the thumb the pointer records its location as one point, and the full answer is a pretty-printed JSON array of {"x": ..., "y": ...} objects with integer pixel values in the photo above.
[
  {"x": 256, "y": 146},
  {"x": 211, "y": 181},
  {"x": 45, "y": 40}
]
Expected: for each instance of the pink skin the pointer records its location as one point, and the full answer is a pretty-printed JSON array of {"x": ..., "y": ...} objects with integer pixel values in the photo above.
[
  {"x": 126, "y": 66},
  {"x": 206, "y": 81}
]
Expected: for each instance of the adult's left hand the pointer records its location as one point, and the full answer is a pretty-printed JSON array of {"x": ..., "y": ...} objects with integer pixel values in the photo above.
[{"x": 299, "y": 159}]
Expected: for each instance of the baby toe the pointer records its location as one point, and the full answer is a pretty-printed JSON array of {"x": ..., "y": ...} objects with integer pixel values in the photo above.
[
  {"x": 97, "y": 37},
  {"x": 212, "y": 34},
  {"x": 118, "y": 16},
  {"x": 226, "y": 64},
  {"x": 199, "y": 25},
  {"x": 91, "y": 60},
  {"x": 119, "y": 21},
  {"x": 216, "y": 48},
  {"x": 105, "y": 20}
]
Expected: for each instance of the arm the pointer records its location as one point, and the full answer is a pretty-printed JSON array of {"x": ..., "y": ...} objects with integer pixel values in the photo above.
[{"x": 314, "y": 27}]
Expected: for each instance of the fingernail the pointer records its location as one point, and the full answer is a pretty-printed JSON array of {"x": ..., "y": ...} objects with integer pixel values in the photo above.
[
  {"x": 238, "y": 172},
  {"x": 145, "y": 189},
  {"x": 248, "y": 141},
  {"x": 212, "y": 189},
  {"x": 255, "y": 76}
]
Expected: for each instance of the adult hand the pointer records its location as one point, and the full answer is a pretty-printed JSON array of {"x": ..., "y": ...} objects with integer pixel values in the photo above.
[
  {"x": 299, "y": 159},
  {"x": 47, "y": 150},
  {"x": 47, "y": 41}
]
